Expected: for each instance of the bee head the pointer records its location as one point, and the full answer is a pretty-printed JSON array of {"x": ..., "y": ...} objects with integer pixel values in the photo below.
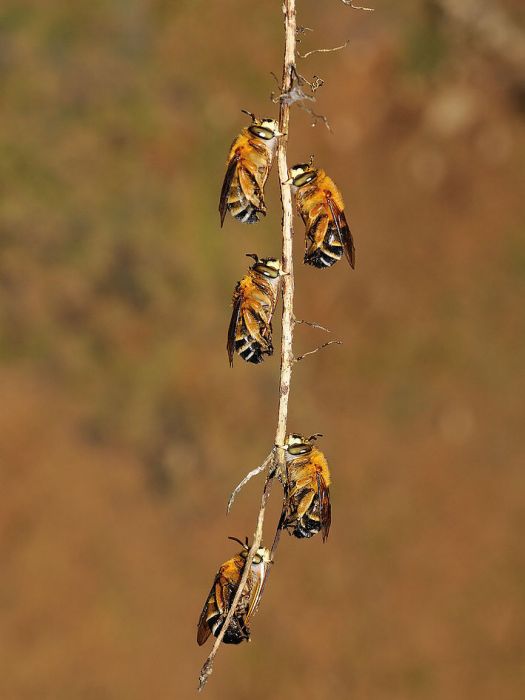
[
  {"x": 265, "y": 129},
  {"x": 262, "y": 555},
  {"x": 298, "y": 445},
  {"x": 268, "y": 267},
  {"x": 303, "y": 173}
]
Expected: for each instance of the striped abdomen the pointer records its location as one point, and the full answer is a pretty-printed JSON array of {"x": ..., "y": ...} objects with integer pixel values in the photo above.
[
  {"x": 308, "y": 524},
  {"x": 244, "y": 209},
  {"x": 323, "y": 252},
  {"x": 251, "y": 350}
]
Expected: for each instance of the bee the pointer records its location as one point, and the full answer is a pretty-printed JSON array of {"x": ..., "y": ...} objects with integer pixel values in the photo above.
[
  {"x": 249, "y": 163},
  {"x": 321, "y": 207},
  {"x": 223, "y": 591},
  {"x": 307, "y": 508},
  {"x": 254, "y": 300}
]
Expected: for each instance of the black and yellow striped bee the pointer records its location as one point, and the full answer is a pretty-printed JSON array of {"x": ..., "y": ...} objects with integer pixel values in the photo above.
[
  {"x": 254, "y": 300},
  {"x": 249, "y": 163},
  {"x": 307, "y": 508},
  {"x": 321, "y": 207},
  {"x": 222, "y": 592}
]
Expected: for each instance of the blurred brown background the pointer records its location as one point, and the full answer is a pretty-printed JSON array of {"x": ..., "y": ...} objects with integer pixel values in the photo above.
[{"x": 122, "y": 428}]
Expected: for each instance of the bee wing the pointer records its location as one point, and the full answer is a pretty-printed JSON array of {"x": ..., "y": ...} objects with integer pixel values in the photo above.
[
  {"x": 226, "y": 185},
  {"x": 325, "y": 508},
  {"x": 343, "y": 231},
  {"x": 232, "y": 328},
  {"x": 203, "y": 629},
  {"x": 257, "y": 590}
]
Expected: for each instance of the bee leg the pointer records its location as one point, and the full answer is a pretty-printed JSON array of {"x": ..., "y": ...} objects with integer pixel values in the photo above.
[
  {"x": 253, "y": 324},
  {"x": 305, "y": 504}
]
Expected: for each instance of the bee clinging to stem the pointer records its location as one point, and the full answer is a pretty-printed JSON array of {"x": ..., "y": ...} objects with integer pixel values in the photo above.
[
  {"x": 249, "y": 163},
  {"x": 223, "y": 591},
  {"x": 254, "y": 300},
  {"x": 307, "y": 508},
  {"x": 321, "y": 207}
]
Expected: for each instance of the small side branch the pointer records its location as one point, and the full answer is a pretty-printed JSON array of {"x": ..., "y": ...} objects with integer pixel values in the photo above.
[
  {"x": 300, "y": 321},
  {"x": 247, "y": 478},
  {"x": 357, "y": 7},
  {"x": 336, "y": 48},
  {"x": 324, "y": 345}
]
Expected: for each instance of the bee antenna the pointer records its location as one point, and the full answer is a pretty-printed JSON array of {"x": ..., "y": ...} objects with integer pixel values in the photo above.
[
  {"x": 250, "y": 114},
  {"x": 315, "y": 436},
  {"x": 236, "y": 539},
  {"x": 254, "y": 256}
]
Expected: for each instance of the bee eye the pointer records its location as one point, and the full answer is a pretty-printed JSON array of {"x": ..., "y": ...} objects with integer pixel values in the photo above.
[
  {"x": 304, "y": 178},
  {"x": 261, "y": 132},
  {"x": 301, "y": 449},
  {"x": 257, "y": 559},
  {"x": 244, "y": 553},
  {"x": 266, "y": 271}
]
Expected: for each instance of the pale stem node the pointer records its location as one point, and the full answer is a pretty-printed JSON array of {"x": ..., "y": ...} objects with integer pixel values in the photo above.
[{"x": 296, "y": 95}]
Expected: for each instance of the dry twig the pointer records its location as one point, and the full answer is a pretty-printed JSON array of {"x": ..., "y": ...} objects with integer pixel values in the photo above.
[
  {"x": 312, "y": 352},
  {"x": 300, "y": 321},
  {"x": 357, "y": 7},
  {"x": 247, "y": 478},
  {"x": 336, "y": 48},
  {"x": 287, "y": 357}
]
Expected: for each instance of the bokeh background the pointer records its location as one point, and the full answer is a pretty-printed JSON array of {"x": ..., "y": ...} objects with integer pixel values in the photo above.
[{"x": 122, "y": 427}]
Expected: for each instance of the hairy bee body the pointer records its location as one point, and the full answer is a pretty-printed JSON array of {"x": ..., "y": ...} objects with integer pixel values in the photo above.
[
  {"x": 249, "y": 163},
  {"x": 254, "y": 301},
  {"x": 222, "y": 593},
  {"x": 321, "y": 207},
  {"x": 307, "y": 508}
]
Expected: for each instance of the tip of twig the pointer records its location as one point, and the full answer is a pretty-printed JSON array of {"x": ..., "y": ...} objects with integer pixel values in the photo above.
[{"x": 205, "y": 673}]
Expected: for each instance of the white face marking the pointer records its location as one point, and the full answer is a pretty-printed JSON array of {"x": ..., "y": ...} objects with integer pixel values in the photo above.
[
  {"x": 293, "y": 440},
  {"x": 294, "y": 172},
  {"x": 270, "y": 124}
]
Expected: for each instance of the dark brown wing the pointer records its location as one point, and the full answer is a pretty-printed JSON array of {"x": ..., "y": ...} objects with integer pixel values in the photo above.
[
  {"x": 226, "y": 185},
  {"x": 232, "y": 328},
  {"x": 325, "y": 508},
  {"x": 203, "y": 629},
  {"x": 343, "y": 231}
]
